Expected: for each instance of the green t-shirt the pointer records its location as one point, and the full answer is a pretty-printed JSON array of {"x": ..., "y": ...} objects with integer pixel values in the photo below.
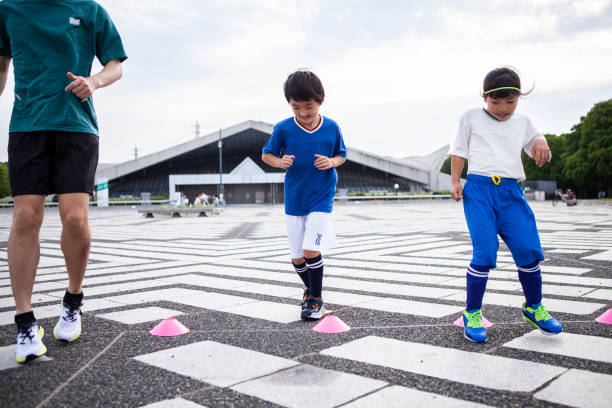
[{"x": 47, "y": 39}]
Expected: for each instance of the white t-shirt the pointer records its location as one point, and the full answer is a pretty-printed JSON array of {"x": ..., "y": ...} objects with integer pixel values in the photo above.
[{"x": 493, "y": 147}]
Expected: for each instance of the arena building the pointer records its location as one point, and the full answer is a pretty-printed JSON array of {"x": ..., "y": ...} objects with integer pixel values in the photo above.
[{"x": 193, "y": 168}]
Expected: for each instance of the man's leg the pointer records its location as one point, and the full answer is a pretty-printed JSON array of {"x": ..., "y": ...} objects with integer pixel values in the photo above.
[
  {"x": 76, "y": 242},
  {"x": 24, "y": 248},
  {"x": 76, "y": 237}
]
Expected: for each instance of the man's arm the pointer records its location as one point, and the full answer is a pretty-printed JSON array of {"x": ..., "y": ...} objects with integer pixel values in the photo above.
[
  {"x": 83, "y": 87},
  {"x": 5, "y": 61}
]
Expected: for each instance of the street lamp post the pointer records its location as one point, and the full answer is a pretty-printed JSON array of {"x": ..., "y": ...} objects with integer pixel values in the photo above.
[{"x": 220, "y": 145}]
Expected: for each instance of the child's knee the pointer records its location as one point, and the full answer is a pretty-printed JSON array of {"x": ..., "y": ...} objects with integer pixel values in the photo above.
[{"x": 311, "y": 254}]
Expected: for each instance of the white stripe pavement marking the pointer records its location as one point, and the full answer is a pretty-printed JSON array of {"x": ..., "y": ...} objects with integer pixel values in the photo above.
[
  {"x": 556, "y": 269},
  {"x": 118, "y": 287},
  {"x": 401, "y": 397},
  {"x": 552, "y": 305},
  {"x": 275, "y": 312},
  {"x": 397, "y": 246},
  {"x": 602, "y": 256},
  {"x": 565, "y": 344},
  {"x": 449, "y": 364},
  {"x": 412, "y": 307},
  {"x": 7, "y": 318},
  {"x": 603, "y": 294},
  {"x": 140, "y": 315},
  {"x": 567, "y": 251},
  {"x": 337, "y": 271},
  {"x": 216, "y": 363},
  {"x": 7, "y": 358},
  {"x": 579, "y": 388},
  {"x": 36, "y": 298},
  {"x": 341, "y": 298},
  {"x": 174, "y": 403},
  {"x": 260, "y": 309},
  {"x": 326, "y": 388}
]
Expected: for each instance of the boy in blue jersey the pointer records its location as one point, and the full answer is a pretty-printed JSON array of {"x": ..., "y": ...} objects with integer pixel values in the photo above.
[
  {"x": 309, "y": 146},
  {"x": 53, "y": 142}
]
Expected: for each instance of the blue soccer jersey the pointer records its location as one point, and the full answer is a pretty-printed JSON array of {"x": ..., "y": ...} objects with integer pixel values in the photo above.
[{"x": 307, "y": 189}]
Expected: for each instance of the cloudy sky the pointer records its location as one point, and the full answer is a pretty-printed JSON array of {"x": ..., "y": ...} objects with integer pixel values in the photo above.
[{"x": 397, "y": 74}]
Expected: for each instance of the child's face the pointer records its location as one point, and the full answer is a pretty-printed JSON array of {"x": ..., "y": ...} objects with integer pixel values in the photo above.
[
  {"x": 501, "y": 108},
  {"x": 307, "y": 112}
]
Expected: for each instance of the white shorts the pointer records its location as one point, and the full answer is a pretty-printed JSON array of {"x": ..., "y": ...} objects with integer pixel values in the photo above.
[{"x": 312, "y": 232}]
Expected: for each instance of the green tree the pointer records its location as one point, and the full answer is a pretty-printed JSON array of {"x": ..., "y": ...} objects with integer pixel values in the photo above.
[
  {"x": 5, "y": 187},
  {"x": 554, "y": 170},
  {"x": 589, "y": 151},
  {"x": 446, "y": 167}
]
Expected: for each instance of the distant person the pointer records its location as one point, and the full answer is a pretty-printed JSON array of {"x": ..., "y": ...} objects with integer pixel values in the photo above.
[
  {"x": 215, "y": 200},
  {"x": 491, "y": 139},
  {"x": 309, "y": 146},
  {"x": 53, "y": 142}
]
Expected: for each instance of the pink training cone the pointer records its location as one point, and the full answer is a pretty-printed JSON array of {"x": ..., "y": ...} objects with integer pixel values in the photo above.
[
  {"x": 485, "y": 322},
  {"x": 331, "y": 324},
  {"x": 169, "y": 327},
  {"x": 605, "y": 318}
]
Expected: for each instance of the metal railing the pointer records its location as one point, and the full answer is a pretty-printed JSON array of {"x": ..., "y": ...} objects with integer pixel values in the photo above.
[
  {"x": 391, "y": 197},
  {"x": 337, "y": 198},
  {"x": 110, "y": 203}
]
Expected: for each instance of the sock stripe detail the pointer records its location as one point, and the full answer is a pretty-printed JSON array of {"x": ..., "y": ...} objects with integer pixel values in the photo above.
[
  {"x": 301, "y": 270},
  {"x": 529, "y": 270},
  {"x": 315, "y": 265},
  {"x": 476, "y": 273}
]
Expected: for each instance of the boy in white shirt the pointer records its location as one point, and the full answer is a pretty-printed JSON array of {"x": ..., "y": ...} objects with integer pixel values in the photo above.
[{"x": 492, "y": 139}]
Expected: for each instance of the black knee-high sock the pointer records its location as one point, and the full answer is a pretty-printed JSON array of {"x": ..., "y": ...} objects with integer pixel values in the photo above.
[
  {"x": 302, "y": 271},
  {"x": 315, "y": 275}
]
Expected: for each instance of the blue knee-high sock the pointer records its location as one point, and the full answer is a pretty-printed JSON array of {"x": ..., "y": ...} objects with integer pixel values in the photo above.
[
  {"x": 477, "y": 276},
  {"x": 531, "y": 281}
]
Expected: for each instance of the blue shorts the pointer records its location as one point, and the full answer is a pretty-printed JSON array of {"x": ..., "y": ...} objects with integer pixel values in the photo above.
[{"x": 492, "y": 209}]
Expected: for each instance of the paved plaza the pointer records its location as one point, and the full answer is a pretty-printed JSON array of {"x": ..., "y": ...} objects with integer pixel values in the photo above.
[{"x": 397, "y": 278}]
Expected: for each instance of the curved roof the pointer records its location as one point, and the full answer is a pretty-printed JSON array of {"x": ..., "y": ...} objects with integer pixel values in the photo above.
[{"x": 423, "y": 170}]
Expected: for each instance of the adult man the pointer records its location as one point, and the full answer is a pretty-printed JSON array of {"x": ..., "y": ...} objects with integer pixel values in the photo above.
[{"x": 53, "y": 142}]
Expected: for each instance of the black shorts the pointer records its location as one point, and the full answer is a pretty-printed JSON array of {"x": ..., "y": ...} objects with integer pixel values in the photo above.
[{"x": 52, "y": 162}]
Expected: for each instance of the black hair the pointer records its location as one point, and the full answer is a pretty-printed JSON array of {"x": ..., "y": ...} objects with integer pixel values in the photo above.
[
  {"x": 502, "y": 77},
  {"x": 303, "y": 85}
]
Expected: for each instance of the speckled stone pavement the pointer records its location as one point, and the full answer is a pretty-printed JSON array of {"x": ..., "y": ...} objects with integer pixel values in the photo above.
[{"x": 397, "y": 278}]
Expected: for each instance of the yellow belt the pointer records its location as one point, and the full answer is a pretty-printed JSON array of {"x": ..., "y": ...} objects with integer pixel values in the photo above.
[{"x": 496, "y": 180}]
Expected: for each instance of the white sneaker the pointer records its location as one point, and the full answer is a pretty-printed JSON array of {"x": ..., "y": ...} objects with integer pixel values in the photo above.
[
  {"x": 68, "y": 328},
  {"x": 29, "y": 342}
]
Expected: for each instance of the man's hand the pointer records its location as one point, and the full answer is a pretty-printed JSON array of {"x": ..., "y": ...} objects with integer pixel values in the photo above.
[
  {"x": 541, "y": 152},
  {"x": 323, "y": 162},
  {"x": 457, "y": 191},
  {"x": 82, "y": 87},
  {"x": 286, "y": 161}
]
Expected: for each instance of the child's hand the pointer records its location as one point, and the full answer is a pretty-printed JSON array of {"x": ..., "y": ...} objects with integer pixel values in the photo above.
[
  {"x": 323, "y": 162},
  {"x": 457, "y": 191},
  {"x": 286, "y": 161},
  {"x": 541, "y": 152}
]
